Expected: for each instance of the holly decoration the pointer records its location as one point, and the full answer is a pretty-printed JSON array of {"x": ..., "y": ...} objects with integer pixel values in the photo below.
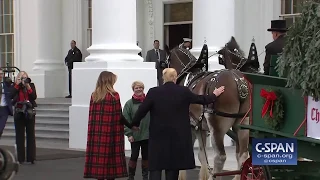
[
  {"x": 273, "y": 108},
  {"x": 299, "y": 62}
]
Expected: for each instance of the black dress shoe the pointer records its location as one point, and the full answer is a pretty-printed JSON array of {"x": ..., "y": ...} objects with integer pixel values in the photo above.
[
  {"x": 30, "y": 162},
  {"x": 69, "y": 96}
]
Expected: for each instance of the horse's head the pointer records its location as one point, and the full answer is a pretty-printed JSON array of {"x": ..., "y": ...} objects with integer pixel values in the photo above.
[
  {"x": 179, "y": 58},
  {"x": 231, "y": 56}
]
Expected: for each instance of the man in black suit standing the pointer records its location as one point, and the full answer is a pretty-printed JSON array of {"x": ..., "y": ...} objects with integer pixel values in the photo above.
[
  {"x": 159, "y": 57},
  {"x": 278, "y": 30},
  {"x": 170, "y": 139},
  {"x": 74, "y": 55}
]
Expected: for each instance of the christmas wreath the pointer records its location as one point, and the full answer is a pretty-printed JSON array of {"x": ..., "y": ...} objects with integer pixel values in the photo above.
[{"x": 273, "y": 108}]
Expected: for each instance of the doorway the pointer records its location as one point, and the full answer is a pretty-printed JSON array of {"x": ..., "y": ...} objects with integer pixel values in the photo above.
[{"x": 175, "y": 33}]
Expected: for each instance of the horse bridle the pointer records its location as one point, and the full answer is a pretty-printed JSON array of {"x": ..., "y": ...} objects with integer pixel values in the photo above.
[
  {"x": 236, "y": 53},
  {"x": 186, "y": 67}
]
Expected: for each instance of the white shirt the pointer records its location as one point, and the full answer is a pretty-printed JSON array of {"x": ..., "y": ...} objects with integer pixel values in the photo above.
[{"x": 3, "y": 99}]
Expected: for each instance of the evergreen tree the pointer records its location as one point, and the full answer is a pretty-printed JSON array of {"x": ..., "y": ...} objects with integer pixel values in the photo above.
[{"x": 300, "y": 60}]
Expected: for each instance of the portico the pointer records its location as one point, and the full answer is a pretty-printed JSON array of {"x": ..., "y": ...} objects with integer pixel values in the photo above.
[{"x": 43, "y": 32}]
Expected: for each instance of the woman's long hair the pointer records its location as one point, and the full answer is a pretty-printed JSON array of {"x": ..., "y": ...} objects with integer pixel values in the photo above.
[{"x": 104, "y": 86}]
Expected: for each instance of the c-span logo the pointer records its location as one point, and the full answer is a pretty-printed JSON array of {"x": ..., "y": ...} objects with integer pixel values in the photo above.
[{"x": 274, "y": 151}]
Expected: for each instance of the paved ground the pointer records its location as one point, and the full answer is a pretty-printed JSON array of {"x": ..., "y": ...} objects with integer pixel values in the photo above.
[{"x": 55, "y": 164}]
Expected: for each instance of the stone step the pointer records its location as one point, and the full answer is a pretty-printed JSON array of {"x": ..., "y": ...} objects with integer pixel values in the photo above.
[
  {"x": 40, "y": 143},
  {"x": 53, "y": 112},
  {"x": 53, "y": 132},
  {"x": 53, "y": 106},
  {"x": 41, "y": 135},
  {"x": 50, "y": 122},
  {"x": 48, "y": 118},
  {"x": 53, "y": 101}
]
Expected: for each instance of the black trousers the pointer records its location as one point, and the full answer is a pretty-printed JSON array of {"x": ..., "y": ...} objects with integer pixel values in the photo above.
[
  {"x": 24, "y": 126},
  {"x": 135, "y": 150},
  {"x": 70, "y": 81},
  {"x": 170, "y": 175}
]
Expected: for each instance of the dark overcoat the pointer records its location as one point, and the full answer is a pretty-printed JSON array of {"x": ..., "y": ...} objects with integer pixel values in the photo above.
[
  {"x": 170, "y": 140},
  {"x": 273, "y": 48},
  {"x": 105, "y": 156},
  {"x": 74, "y": 55}
]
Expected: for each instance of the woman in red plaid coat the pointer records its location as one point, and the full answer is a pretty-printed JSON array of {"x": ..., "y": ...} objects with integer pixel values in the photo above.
[{"x": 105, "y": 156}]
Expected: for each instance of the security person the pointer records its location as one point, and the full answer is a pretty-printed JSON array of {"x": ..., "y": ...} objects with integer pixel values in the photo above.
[{"x": 74, "y": 55}]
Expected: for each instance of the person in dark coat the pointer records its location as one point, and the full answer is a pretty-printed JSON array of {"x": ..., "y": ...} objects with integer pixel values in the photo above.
[
  {"x": 74, "y": 55},
  {"x": 170, "y": 139},
  {"x": 5, "y": 101},
  {"x": 23, "y": 98},
  {"x": 105, "y": 156},
  {"x": 278, "y": 30},
  {"x": 158, "y": 56}
]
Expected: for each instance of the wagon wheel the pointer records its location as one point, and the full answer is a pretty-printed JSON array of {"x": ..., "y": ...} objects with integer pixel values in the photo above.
[{"x": 251, "y": 172}]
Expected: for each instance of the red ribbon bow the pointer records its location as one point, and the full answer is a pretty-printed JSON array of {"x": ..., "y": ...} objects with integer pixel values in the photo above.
[{"x": 270, "y": 98}]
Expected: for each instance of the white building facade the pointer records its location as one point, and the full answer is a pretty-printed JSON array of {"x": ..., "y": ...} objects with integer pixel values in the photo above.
[{"x": 35, "y": 36}]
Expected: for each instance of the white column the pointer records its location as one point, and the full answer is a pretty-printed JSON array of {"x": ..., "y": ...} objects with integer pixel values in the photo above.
[
  {"x": 49, "y": 65},
  {"x": 213, "y": 23},
  {"x": 49, "y": 36},
  {"x": 113, "y": 49},
  {"x": 114, "y": 34}
]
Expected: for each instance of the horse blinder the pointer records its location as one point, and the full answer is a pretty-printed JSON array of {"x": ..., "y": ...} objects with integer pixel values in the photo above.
[{"x": 221, "y": 60}]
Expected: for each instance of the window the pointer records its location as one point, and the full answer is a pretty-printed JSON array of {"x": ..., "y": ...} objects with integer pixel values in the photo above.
[
  {"x": 290, "y": 10},
  {"x": 89, "y": 30},
  {"x": 6, "y": 33},
  {"x": 178, "y": 12}
]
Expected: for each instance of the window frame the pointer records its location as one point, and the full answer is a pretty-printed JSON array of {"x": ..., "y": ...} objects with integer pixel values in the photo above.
[
  {"x": 292, "y": 14},
  {"x": 7, "y": 56}
]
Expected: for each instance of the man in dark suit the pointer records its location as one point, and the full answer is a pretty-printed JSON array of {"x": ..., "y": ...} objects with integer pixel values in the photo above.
[
  {"x": 278, "y": 30},
  {"x": 5, "y": 101},
  {"x": 74, "y": 55},
  {"x": 170, "y": 139},
  {"x": 159, "y": 57}
]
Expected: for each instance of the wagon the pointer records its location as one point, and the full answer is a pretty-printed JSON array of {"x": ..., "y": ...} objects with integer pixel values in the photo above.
[{"x": 294, "y": 125}]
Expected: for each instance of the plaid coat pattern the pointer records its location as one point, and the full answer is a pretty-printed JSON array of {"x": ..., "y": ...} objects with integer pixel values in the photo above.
[{"x": 105, "y": 156}]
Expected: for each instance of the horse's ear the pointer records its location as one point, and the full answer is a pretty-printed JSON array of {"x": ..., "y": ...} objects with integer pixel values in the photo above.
[{"x": 233, "y": 40}]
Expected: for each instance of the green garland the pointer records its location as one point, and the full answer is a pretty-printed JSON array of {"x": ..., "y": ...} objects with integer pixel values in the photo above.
[
  {"x": 299, "y": 61},
  {"x": 277, "y": 121}
]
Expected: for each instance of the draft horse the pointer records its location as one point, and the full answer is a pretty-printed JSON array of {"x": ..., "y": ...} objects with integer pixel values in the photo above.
[{"x": 227, "y": 112}]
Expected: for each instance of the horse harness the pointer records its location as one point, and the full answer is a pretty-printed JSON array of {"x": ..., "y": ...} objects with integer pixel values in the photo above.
[{"x": 192, "y": 80}]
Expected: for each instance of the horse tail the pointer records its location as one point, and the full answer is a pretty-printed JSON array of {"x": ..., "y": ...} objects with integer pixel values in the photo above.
[{"x": 182, "y": 175}]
